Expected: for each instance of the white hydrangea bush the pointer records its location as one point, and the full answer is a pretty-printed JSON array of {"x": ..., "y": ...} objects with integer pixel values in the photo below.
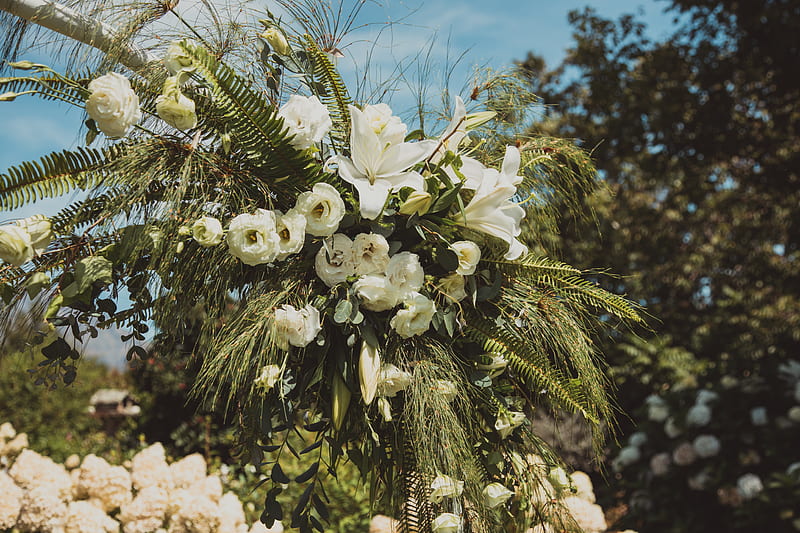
[{"x": 38, "y": 495}]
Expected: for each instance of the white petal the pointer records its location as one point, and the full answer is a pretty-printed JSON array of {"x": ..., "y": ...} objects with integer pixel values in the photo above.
[
  {"x": 371, "y": 197},
  {"x": 364, "y": 143},
  {"x": 400, "y": 157},
  {"x": 511, "y": 163},
  {"x": 347, "y": 170}
]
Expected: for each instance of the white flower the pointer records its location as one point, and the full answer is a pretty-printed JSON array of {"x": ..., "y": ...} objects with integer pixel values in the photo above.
[
  {"x": 758, "y": 416},
  {"x": 657, "y": 408},
  {"x": 627, "y": 456},
  {"x": 334, "y": 261},
  {"x": 492, "y": 211},
  {"x": 276, "y": 40},
  {"x": 589, "y": 516},
  {"x": 507, "y": 421},
  {"x": 496, "y": 494},
  {"x": 40, "y": 231},
  {"x": 469, "y": 254},
  {"x": 10, "y": 503},
  {"x": 253, "y": 238},
  {"x": 149, "y": 468},
  {"x": 207, "y": 231},
  {"x": 178, "y": 111},
  {"x": 453, "y": 287},
  {"x": 749, "y": 486},
  {"x": 446, "y": 523},
  {"x": 583, "y": 486},
  {"x": 415, "y": 317},
  {"x": 370, "y": 253},
  {"x": 323, "y": 208},
  {"x": 113, "y": 105},
  {"x": 177, "y": 59},
  {"x": 445, "y": 487},
  {"x": 376, "y": 293},
  {"x": 379, "y": 162},
  {"x": 558, "y": 478},
  {"x": 268, "y": 377},
  {"x": 659, "y": 464},
  {"x": 108, "y": 486},
  {"x": 15, "y": 245},
  {"x": 405, "y": 273},
  {"x": 297, "y": 327},
  {"x": 393, "y": 380},
  {"x": 307, "y": 119},
  {"x": 369, "y": 371},
  {"x": 698, "y": 415},
  {"x": 706, "y": 396},
  {"x": 291, "y": 229},
  {"x": 684, "y": 454},
  {"x": 706, "y": 445},
  {"x": 637, "y": 439},
  {"x": 385, "y": 409},
  {"x": 794, "y": 414},
  {"x": 671, "y": 428},
  {"x": 455, "y": 132},
  {"x": 389, "y": 128}
]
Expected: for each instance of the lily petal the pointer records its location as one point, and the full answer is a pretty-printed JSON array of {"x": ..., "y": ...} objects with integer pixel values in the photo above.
[
  {"x": 364, "y": 143},
  {"x": 371, "y": 196},
  {"x": 511, "y": 163},
  {"x": 400, "y": 157}
]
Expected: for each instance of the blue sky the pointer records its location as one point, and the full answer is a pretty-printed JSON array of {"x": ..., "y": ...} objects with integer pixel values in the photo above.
[{"x": 493, "y": 34}]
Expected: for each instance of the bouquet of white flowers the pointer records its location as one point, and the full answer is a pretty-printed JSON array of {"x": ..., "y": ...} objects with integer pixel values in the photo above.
[{"x": 366, "y": 285}]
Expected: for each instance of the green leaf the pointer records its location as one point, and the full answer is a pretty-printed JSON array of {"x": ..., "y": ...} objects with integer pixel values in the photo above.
[
  {"x": 446, "y": 200},
  {"x": 58, "y": 349},
  {"x": 447, "y": 258},
  {"x": 308, "y": 474},
  {"x": 92, "y": 269},
  {"x": 35, "y": 283},
  {"x": 278, "y": 476},
  {"x": 343, "y": 311}
]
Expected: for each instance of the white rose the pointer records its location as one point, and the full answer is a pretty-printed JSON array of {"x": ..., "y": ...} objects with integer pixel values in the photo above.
[
  {"x": 369, "y": 371},
  {"x": 758, "y": 416},
  {"x": 268, "y": 377},
  {"x": 706, "y": 445},
  {"x": 40, "y": 231},
  {"x": 415, "y": 318},
  {"x": 177, "y": 59},
  {"x": 376, "y": 293},
  {"x": 495, "y": 494},
  {"x": 698, "y": 415},
  {"x": 389, "y": 128},
  {"x": 298, "y": 327},
  {"x": 323, "y": 208},
  {"x": 291, "y": 229},
  {"x": 405, "y": 273},
  {"x": 445, "y": 487},
  {"x": 370, "y": 253},
  {"x": 253, "y": 238},
  {"x": 393, "y": 380},
  {"x": 113, "y": 105},
  {"x": 334, "y": 261},
  {"x": 749, "y": 486},
  {"x": 207, "y": 231},
  {"x": 307, "y": 119},
  {"x": 453, "y": 287},
  {"x": 15, "y": 245},
  {"x": 469, "y": 254},
  {"x": 507, "y": 421},
  {"x": 177, "y": 110},
  {"x": 446, "y": 523}
]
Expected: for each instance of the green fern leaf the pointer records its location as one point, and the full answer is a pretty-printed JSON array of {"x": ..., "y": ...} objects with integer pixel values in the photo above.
[{"x": 335, "y": 97}]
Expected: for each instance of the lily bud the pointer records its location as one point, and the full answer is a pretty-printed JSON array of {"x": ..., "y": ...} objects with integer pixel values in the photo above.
[
  {"x": 417, "y": 202},
  {"x": 369, "y": 371},
  {"x": 23, "y": 65},
  {"x": 340, "y": 401},
  {"x": 385, "y": 409},
  {"x": 277, "y": 41},
  {"x": 474, "y": 120}
]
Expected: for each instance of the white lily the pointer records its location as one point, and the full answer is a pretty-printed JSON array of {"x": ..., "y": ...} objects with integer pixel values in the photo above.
[
  {"x": 378, "y": 165},
  {"x": 491, "y": 211},
  {"x": 454, "y": 133}
]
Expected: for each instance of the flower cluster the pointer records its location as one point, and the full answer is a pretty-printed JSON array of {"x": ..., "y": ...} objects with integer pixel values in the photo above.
[
  {"x": 23, "y": 240},
  {"x": 39, "y": 495}
]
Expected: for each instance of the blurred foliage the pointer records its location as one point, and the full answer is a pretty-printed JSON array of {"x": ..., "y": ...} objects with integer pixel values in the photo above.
[
  {"x": 696, "y": 138},
  {"x": 56, "y": 420}
]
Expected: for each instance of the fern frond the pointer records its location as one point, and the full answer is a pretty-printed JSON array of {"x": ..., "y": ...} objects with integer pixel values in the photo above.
[
  {"x": 55, "y": 174},
  {"x": 536, "y": 371},
  {"x": 47, "y": 86},
  {"x": 252, "y": 121},
  {"x": 539, "y": 268},
  {"x": 336, "y": 97}
]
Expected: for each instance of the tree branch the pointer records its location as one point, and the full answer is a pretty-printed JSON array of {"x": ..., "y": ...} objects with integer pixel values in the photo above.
[{"x": 75, "y": 25}]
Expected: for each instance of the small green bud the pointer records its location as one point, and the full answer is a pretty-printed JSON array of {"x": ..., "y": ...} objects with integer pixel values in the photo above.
[
  {"x": 277, "y": 41},
  {"x": 417, "y": 202}
]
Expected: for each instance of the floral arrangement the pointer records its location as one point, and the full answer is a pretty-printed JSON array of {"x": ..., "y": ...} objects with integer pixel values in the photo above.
[
  {"x": 369, "y": 287},
  {"x": 729, "y": 445}
]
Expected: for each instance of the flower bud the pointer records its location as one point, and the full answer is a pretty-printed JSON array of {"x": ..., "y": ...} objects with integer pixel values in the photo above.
[
  {"x": 340, "y": 401},
  {"x": 417, "y": 202},
  {"x": 277, "y": 41},
  {"x": 369, "y": 371},
  {"x": 475, "y": 120}
]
